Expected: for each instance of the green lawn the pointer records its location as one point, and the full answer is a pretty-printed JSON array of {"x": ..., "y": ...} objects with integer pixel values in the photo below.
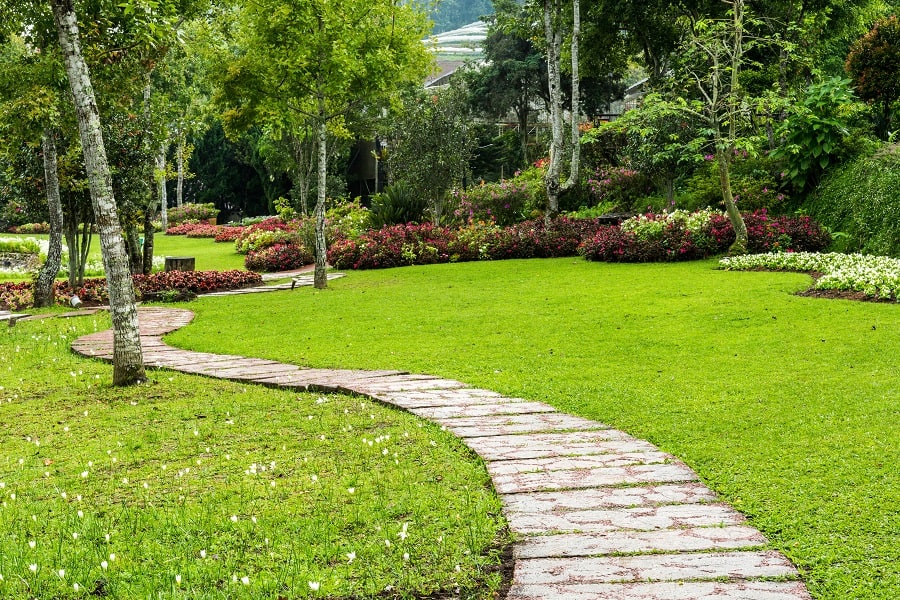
[
  {"x": 786, "y": 406},
  {"x": 188, "y": 487},
  {"x": 210, "y": 256}
]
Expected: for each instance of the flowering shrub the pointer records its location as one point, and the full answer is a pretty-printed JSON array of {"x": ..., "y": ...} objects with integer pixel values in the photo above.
[
  {"x": 502, "y": 202},
  {"x": 618, "y": 185},
  {"x": 271, "y": 225},
  {"x": 393, "y": 246},
  {"x": 183, "y": 228},
  {"x": 766, "y": 233},
  {"x": 192, "y": 212},
  {"x": 673, "y": 243},
  {"x": 31, "y": 228},
  {"x": 874, "y": 276},
  {"x": 203, "y": 230},
  {"x": 15, "y": 296},
  {"x": 261, "y": 239},
  {"x": 229, "y": 234},
  {"x": 279, "y": 257}
]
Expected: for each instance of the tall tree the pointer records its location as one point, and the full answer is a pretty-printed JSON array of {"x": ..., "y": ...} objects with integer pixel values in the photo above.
[
  {"x": 874, "y": 65},
  {"x": 329, "y": 62},
  {"x": 128, "y": 362}
]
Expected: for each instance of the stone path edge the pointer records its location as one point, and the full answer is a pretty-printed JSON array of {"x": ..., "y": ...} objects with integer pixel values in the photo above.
[{"x": 597, "y": 513}]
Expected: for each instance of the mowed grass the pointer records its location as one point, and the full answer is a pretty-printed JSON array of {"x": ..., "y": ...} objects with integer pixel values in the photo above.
[
  {"x": 786, "y": 406},
  {"x": 187, "y": 487}
]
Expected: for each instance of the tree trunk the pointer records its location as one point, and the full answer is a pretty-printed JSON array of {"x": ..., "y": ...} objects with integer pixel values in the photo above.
[
  {"x": 133, "y": 248},
  {"x": 179, "y": 161},
  {"x": 128, "y": 361},
  {"x": 147, "y": 249},
  {"x": 553, "y": 37},
  {"x": 734, "y": 215},
  {"x": 320, "y": 278},
  {"x": 161, "y": 185},
  {"x": 575, "y": 166},
  {"x": 522, "y": 111},
  {"x": 44, "y": 285}
]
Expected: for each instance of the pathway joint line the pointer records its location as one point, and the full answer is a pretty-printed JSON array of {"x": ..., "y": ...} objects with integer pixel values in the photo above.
[{"x": 600, "y": 514}]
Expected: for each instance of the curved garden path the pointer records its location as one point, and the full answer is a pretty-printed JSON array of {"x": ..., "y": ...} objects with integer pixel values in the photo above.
[{"x": 598, "y": 514}]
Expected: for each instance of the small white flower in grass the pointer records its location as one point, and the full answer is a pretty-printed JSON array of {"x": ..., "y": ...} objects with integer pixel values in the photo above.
[
  {"x": 433, "y": 443},
  {"x": 178, "y": 579},
  {"x": 387, "y": 543},
  {"x": 106, "y": 537},
  {"x": 62, "y": 573},
  {"x": 74, "y": 535},
  {"x": 78, "y": 498},
  {"x": 203, "y": 554},
  {"x": 31, "y": 543},
  {"x": 196, "y": 432},
  {"x": 351, "y": 490},
  {"x": 75, "y": 586},
  {"x": 406, "y": 556},
  {"x": 33, "y": 568},
  {"x": 458, "y": 569},
  {"x": 85, "y": 413},
  {"x": 112, "y": 557},
  {"x": 34, "y": 518},
  {"x": 314, "y": 586},
  {"x": 245, "y": 580},
  {"x": 63, "y": 495},
  {"x": 84, "y": 474},
  {"x": 253, "y": 519},
  {"x": 125, "y": 480},
  {"x": 80, "y": 514},
  {"x": 403, "y": 534},
  {"x": 351, "y": 556},
  {"x": 272, "y": 483},
  {"x": 146, "y": 486},
  {"x": 46, "y": 473},
  {"x": 314, "y": 477},
  {"x": 234, "y": 519},
  {"x": 66, "y": 428},
  {"x": 12, "y": 496},
  {"x": 234, "y": 578},
  {"x": 104, "y": 565}
]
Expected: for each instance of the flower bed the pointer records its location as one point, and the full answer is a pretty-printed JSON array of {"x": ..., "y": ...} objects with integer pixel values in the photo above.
[
  {"x": 874, "y": 276},
  {"x": 16, "y": 296},
  {"x": 279, "y": 257}
]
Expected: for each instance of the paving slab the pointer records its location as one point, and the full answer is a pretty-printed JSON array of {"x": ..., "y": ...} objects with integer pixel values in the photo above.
[
  {"x": 449, "y": 413},
  {"x": 764, "y": 590},
  {"x": 417, "y": 384},
  {"x": 653, "y": 567},
  {"x": 591, "y": 478},
  {"x": 438, "y": 398},
  {"x": 668, "y": 516},
  {"x": 516, "y": 424},
  {"x": 587, "y": 461},
  {"x": 731, "y": 537},
  {"x": 609, "y": 497},
  {"x": 543, "y": 445}
]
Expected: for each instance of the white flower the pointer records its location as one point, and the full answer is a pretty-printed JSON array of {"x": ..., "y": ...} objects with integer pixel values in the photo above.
[
  {"x": 104, "y": 565},
  {"x": 75, "y": 586},
  {"x": 351, "y": 556},
  {"x": 112, "y": 557},
  {"x": 203, "y": 554},
  {"x": 245, "y": 580},
  {"x": 178, "y": 579},
  {"x": 234, "y": 519},
  {"x": 74, "y": 535},
  {"x": 314, "y": 586},
  {"x": 33, "y": 568},
  {"x": 351, "y": 490},
  {"x": 80, "y": 514},
  {"x": 31, "y": 543},
  {"x": 406, "y": 556},
  {"x": 62, "y": 573}
]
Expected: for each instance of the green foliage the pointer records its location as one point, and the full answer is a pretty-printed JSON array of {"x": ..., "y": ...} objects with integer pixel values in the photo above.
[
  {"x": 28, "y": 245},
  {"x": 860, "y": 200},
  {"x": 192, "y": 212},
  {"x": 814, "y": 131},
  {"x": 431, "y": 145},
  {"x": 399, "y": 203},
  {"x": 874, "y": 65},
  {"x": 754, "y": 182}
]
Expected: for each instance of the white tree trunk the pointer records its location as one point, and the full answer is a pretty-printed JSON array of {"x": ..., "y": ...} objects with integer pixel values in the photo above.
[
  {"x": 161, "y": 185},
  {"x": 179, "y": 159},
  {"x": 553, "y": 37},
  {"x": 320, "y": 278},
  {"x": 576, "y": 98},
  {"x": 128, "y": 361},
  {"x": 44, "y": 285}
]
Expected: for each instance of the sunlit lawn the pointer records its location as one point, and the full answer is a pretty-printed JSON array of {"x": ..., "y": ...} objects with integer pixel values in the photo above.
[{"x": 787, "y": 406}]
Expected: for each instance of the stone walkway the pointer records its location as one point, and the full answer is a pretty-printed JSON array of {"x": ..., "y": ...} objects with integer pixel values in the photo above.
[
  {"x": 599, "y": 515},
  {"x": 10, "y": 317}
]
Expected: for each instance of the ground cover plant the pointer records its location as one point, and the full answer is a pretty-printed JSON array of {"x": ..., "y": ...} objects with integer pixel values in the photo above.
[
  {"x": 785, "y": 405},
  {"x": 186, "y": 487},
  {"x": 876, "y": 277}
]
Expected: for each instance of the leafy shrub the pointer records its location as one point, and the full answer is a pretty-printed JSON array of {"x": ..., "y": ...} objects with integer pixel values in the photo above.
[
  {"x": 279, "y": 257},
  {"x": 754, "y": 183},
  {"x": 182, "y": 229},
  {"x": 229, "y": 233},
  {"x": 399, "y": 203},
  {"x": 673, "y": 242},
  {"x": 203, "y": 230},
  {"x": 27, "y": 245},
  {"x": 617, "y": 185},
  {"x": 261, "y": 239},
  {"x": 16, "y": 296},
  {"x": 272, "y": 224},
  {"x": 502, "y": 202},
  {"x": 860, "y": 199},
  {"x": 31, "y": 228},
  {"x": 192, "y": 212}
]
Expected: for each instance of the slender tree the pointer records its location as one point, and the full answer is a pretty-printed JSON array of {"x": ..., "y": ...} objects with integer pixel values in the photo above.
[{"x": 128, "y": 362}]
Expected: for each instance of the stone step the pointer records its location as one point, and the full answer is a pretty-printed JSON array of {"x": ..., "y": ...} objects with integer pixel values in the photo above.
[
  {"x": 517, "y": 424},
  {"x": 756, "y": 590},
  {"x": 591, "y": 478},
  {"x": 481, "y": 410},
  {"x": 558, "y": 572},
  {"x": 731, "y": 537},
  {"x": 609, "y": 497},
  {"x": 544, "y": 445},
  {"x": 587, "y": 461},
  {"x": 669, "y": 516}
]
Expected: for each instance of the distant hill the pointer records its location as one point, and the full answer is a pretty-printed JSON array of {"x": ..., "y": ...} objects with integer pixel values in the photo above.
[{"x": 453, "y": 14}]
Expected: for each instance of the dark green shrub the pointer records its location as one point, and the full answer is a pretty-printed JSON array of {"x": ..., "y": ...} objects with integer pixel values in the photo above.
[
  {"x": 754, "y": 183},
  {"x": 861, "y": 199},
  {"x": 398, "y": 203}
]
